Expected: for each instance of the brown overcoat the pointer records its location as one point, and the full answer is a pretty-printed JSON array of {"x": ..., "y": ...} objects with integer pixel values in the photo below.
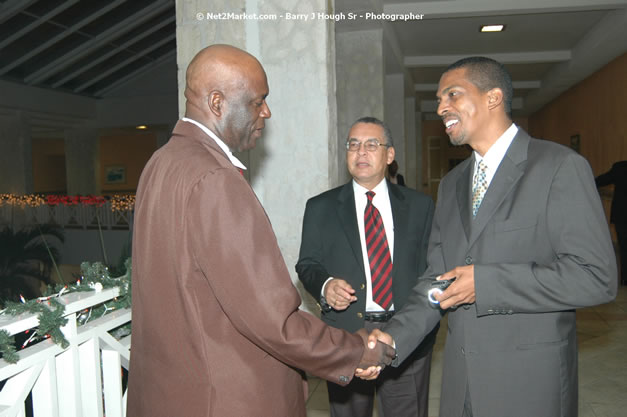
[{"x": 216, "y": 327}]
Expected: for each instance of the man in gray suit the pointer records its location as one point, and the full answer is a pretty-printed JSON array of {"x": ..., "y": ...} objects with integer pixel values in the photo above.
[{"x": 521, "y": 228}]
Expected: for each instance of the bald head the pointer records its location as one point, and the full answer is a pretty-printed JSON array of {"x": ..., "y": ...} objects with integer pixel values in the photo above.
[{"x": 225, "y": 90}]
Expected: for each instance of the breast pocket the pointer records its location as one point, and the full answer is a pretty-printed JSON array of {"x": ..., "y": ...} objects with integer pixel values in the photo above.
[
  {"x": 514, "y": 239},
  {"x": 515, "y": 225}
]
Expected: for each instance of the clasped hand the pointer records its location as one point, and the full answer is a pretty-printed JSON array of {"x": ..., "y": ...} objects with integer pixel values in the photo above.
[
  {"x": 339, "y": 294},
  {"x": 378, "y": 353}
]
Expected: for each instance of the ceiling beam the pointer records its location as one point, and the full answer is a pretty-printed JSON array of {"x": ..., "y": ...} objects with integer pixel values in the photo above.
[
  {"x": 103, "y": 57},
  {"x": 515, "y": 84},
  {"x": 124, "y": 63},
  {"x": 37, "y": 22},
  {"x": 13, "y": 7},
  {"x": 35, "y": 99},
  {"x": 63, "y": 61},
  {"x": 504, "y": 58},
  {"x": 67, "y": 32},
  {"x": 466, "y": 8}
]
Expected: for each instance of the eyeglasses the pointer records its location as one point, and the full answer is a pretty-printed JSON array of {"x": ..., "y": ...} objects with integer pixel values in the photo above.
[{"x": 371, "y": 145}]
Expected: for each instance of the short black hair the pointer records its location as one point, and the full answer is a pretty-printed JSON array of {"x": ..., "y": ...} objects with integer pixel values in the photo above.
[
  {"x": 486, "y": 74},
  {"x": 387, "y": 134}
]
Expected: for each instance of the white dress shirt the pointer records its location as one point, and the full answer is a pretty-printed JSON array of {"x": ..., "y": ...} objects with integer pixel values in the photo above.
[
  {"x": 492, "y": 159},
  {"x": 221, "y": 144}
]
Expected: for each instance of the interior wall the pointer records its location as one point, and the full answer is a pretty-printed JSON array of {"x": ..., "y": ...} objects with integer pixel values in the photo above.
[
  {"x": 125, "y": 156},
  {"x": 49, "y": 166},
  {"x": 594, "y": 109}
]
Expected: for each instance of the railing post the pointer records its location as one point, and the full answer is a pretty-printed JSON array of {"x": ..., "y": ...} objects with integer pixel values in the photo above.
[
  {"x": 111, "y": 375},
  {"x": 91, "y": 383},
  {"x": 45, "y": 403},
  {"x": 68, "y": 373}
]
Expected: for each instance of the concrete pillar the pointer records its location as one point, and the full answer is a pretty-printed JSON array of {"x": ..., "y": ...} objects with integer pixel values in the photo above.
[
  {"x": 360, "y": 83},
  {"x": 16, "y": 169},
  {"x": 297, "y": 156},
  {"x": 395, "y": 115},
  {"x": 411, "y": 163},
  {"x": 82, "y": 161}
]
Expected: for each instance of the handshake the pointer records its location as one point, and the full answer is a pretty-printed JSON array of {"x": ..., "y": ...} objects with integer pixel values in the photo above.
[{"x": 378, "y": 353}]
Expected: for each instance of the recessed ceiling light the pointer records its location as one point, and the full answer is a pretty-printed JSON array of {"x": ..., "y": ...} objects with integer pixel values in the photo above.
[
  {"x": 492, "y": 28},
  {"x": 141, "y": 127}
]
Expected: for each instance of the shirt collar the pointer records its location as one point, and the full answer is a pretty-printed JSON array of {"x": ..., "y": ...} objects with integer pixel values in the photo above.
[
  {"x": 382, "y": 187},
  {"x": 221, "y": 144},
  {"x": 497, "y": 151}
]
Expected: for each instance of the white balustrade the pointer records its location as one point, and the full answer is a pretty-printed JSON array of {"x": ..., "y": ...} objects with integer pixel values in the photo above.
[{"x": 83, "y": 380}]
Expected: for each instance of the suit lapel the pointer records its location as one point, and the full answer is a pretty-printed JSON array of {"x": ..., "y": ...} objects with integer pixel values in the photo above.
[
  {"x": 400, "y": 215},
  {"x": 464, "y": 184},
  {"x": 507, "y": 175},
  {"x": 346, "y": 213}
]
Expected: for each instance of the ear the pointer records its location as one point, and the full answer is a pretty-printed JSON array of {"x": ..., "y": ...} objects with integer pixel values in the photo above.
[
  {"x": 215, "y": 101},
  {"x": 391, "y": 155},
  {"x": 495, "y": 98}
]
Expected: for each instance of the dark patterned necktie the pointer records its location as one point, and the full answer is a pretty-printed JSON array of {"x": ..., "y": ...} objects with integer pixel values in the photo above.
[{"x": 378, "y": 255}]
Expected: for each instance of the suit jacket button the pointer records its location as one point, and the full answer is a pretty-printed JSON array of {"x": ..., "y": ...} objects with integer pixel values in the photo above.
[
  {"x": 510, "y": 312},
  {"x": 360, "y": 315},
  {"x": 490, "y": 311},
  {"x": 362, "y": 286},
  {"x": 343, "y": 378},
  {"x": 463, "y": 351},
  {"x": 468, "y": 260}
]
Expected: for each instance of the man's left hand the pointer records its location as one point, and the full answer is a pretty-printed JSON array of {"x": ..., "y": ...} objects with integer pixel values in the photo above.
[{"x": 462, "y": 291}]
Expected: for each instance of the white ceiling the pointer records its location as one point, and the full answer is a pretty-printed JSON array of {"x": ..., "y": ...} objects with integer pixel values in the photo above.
[{"x": 548, "y": 45}]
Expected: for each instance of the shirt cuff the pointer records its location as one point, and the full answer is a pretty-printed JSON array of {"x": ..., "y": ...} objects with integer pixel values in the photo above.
[{"x": 324, "y": 286}]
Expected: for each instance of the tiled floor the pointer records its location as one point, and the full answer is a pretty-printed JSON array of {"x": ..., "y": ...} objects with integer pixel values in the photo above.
[{"x": 602, "y": 333}]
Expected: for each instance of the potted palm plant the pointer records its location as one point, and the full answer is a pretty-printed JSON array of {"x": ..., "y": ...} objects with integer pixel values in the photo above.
[{"x": 26, "y": 260}]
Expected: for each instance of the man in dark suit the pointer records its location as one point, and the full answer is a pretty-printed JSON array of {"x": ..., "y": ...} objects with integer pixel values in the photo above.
[
  {"x": 618, "y": 215},
  {"x": 336, "y": 269},
  {"x": 521, "y": 227}
]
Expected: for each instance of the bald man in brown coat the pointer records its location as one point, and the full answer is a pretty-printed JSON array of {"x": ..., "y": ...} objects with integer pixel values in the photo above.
[{"x": 216, "y": 325}]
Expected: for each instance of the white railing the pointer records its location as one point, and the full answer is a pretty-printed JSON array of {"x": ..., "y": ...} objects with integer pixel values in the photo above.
[{"x": 83, "y": 380}]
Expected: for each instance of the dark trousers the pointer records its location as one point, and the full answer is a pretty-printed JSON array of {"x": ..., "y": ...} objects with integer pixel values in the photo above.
[{"x": 402, "y": 391}]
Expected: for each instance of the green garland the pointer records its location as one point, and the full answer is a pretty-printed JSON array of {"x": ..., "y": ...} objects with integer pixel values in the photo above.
[
  {"x": 7, "y": 347},
  {"x": 94, "y": 276}
]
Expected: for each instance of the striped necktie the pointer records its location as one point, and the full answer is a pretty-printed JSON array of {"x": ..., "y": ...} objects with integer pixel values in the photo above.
[
  {"x": 378, "y": 255},
  {"x": 479, "y": 187}
]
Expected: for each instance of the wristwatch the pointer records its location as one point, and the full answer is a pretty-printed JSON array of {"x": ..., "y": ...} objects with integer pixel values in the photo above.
[{"x": 324, "y": 306}]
